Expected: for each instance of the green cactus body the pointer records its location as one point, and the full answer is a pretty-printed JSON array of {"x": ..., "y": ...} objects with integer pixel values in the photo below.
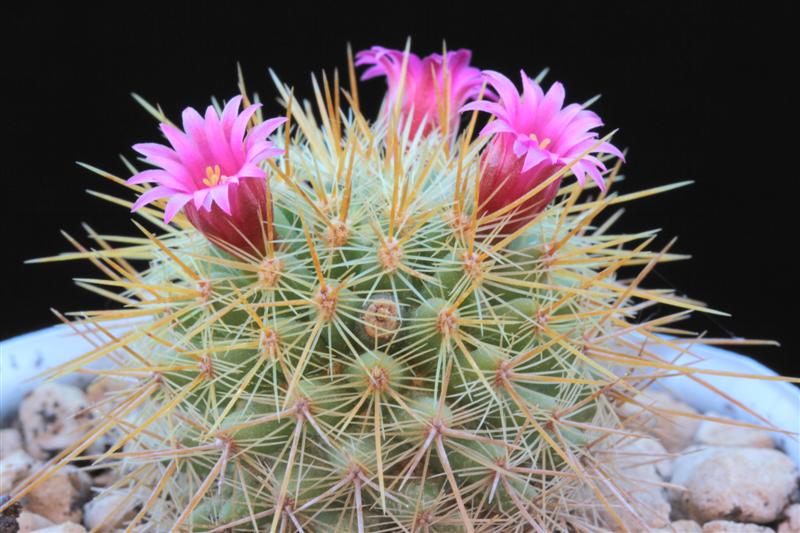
[{"x": 387, "y": 364}]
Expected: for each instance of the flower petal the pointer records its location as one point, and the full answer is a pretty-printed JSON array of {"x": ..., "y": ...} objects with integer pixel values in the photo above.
[
  {"x": 151, "y": 195},
  {"x": 220, "y": 196},
  {"x": 220, "y": 147},
  {"x": 580, "y": 173},
  {"x": 174, "y": 205},
  {"x": 263, "y": 131},
  {"x": 423, "y": 85},
  {"x": 230, "y": 113},
  {"x": 239, "y": 127},
  {"x": 533, "y": 158}
]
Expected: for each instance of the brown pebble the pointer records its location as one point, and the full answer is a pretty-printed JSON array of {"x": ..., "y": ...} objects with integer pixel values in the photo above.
[
  {"x": 104, "y": 387},
  {"x": 61, "y": 497},
  {"x": 53, "y": 417},
  {"x": 10, "y": 441},
  {"x": 13, "y": 469}
]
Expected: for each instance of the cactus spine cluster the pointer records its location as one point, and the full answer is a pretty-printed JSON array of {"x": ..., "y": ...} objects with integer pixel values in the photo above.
[{"x": 395, "y": 360}]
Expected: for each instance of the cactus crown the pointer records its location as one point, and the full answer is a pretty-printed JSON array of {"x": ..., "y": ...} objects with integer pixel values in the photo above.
[{"x": 391, "y": 358}]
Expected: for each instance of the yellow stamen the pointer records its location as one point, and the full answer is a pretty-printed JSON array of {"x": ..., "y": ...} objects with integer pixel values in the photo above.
[
  {"x": 213, "y": 176},
  {"x": 544, "y": 142}
]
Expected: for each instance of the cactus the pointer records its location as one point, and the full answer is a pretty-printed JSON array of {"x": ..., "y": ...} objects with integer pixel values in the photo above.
[{"x": 381, "y": 352}]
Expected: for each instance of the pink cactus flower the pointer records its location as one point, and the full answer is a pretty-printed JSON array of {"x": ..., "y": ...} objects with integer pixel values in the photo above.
[
  {"x": 424, "y": 91},
  {"x": 534, "y": 137},
  {"x": 212, "y": 172}
]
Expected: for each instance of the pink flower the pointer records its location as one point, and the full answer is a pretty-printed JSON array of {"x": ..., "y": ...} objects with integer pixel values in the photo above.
[
  {"x": 534, "y": 137},
  {"x": 212, "y": 172},
  {"x": 424, "y": 91}
]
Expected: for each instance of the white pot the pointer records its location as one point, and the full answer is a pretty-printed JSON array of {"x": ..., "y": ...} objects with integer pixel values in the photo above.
[{"x": 25, "y": 357}]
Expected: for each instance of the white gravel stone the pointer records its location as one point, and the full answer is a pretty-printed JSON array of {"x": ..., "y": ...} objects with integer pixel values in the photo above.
[
  {"x": 652, "y": 511},
  {"x": 107, "y": 511},
  {"x": 680, "y": 526},
  {"x": 724, "y": 526},
  {"x": 639, "y": 462},
  {"x": 29, "y": 521},
  {"x": 721, "y": 434},
  {"x": 792, "y": 522},
  {"x": 13, "y": 469},
  {"x": 10, "y": 441},
  {"x": 675, "y": 431},
  {"x": 66, "y": 527},
  {"x": 644, "y": 458},
  {"x": 62, "y": 496},
  {"x": 53, "y": 416},
  {"x": 742, "y": 484},
  {"x": 652, "y": 506}
]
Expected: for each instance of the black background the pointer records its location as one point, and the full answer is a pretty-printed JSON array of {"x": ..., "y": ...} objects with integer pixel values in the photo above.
[{"x": 698, "y": 91}]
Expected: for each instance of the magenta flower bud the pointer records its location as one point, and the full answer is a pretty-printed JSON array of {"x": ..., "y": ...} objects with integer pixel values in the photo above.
[
  {"x": 428, "y": 80},
  {"x": 212, "y": 171},
  {"x": 533, "y": 138}
]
